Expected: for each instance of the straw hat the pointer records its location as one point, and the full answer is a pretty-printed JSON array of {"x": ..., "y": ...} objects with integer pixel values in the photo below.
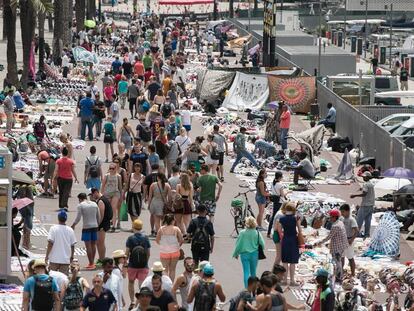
[
  {"x": 157, "y": 267},
  {"x": 39, "y": 263},
  {"x": 119, "y": 253}
]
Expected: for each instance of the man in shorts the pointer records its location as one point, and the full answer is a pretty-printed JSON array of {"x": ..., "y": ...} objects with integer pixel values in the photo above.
[
  {"x": 207, "y": 187},
  {"x": 222, "y": 147},
  {"x": 106, "y": 214},
  {"x": 89, "y": 212},
  {"x": 351, "y": 228},
  {"x": 134, "y": 272}
]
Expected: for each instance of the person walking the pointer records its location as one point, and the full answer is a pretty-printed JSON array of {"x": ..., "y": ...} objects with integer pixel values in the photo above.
[
  {"x": 186, "y": 117},
  {"x": 183, "y": 203},
  {"x": 47, "y": 298},
  {"x": 89, "y": 212},
  {"x": 133, "y": 94},
  {"x": 138, "y": 155},
  {"x": 247, "y": 247},
  {"x": 159, "y": 198},
  {"x": 277, "y": 197},
  {"x": 213, "y": 156},
  {"x": 351, "y": 228},
  {"x": 112, "y": 281},
  {"x": 241, "y": 151},
  {"x": 172, "y": 155},
  {"x": 93, "y": 170},
  {"x": 138, "y": 254},
  {"x": 99, "y": 298},
  {"x": 207, "y": 184},
  {"x": 262, "y": 196},
  {"x": 158, "y": 269},
  {"x": 126, "y": 135},
  {"x": 338, "y": 242},
  {"x": 170, "y": 239},
  {"x": 86, "y": 106},
  {"x": 161, "y": 298},
  {"x": 289, "y": 224},
  {"x": 8, "y": 107},
  {"x": 222, "y": 148},
  {"x": 72, "y": 295},
  {"x": 60, "y": 245},
  {"x": 39, "y": 128},
  {"x": 134, "y": 192},
  {"x": 325, "y": 294},
  {"x": 123, "y": 91},
  {"x": 284, "y": 126},
  {"x": 144, "y": 299},
  {"x": 205, "y": 291},
  {"x": 63, "y": 176},
  {"x": 98, "y": 115},
  {"x": 364, "y": 214},
  {"x": 112, "y": 189},
  {"x": 109, "y": 137},
  {"x": 106, "y": 214},
  {"x": 183, "y": 282},
  {"x": 201, "y": 231},
  {"x": 404, "y": 75}
]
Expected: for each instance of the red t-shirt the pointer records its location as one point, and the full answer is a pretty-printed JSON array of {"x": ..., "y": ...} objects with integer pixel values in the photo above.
[
  {"x": 65, "y": 168},
  {"x": 148, "y": 75},
  {"x": 108, "y": 91},
  {"x": 139, "y": 69}
]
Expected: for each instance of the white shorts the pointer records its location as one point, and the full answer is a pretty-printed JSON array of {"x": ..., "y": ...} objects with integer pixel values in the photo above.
[{"x": 349, "y": 252}]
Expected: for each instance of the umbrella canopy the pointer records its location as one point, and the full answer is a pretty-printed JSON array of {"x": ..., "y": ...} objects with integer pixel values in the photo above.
[
  {"x": 389, "y": 185},
  {"x": 408, "y": 189},
  {"x": 21, "y": 177},
  {"x": 386, "y": 237},
  {"x": 399, "y": 172},
  {"x": 273, "y": 105},
  {"x": 83, "y": 55},
  {"x": 90, "y": 23},
  {"x": 20, "y": 203}
]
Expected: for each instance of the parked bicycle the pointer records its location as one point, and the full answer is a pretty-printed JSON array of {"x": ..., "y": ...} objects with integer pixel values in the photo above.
[{"x": 240, "y": 209}]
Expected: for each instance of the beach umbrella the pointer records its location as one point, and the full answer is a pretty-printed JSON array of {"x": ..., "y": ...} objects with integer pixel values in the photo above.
[
  {"x": 20, "y": 203},
  {"x": 389, "y": 185},
  {"x": 273, "y": 105},
  {"x": 83, "y": 55},
  {"x": 90, "y": 23},
  {"x": 407, "y": 189},
  {"x": 399, "y": 172},
  {"x": 386, "y": 237}
]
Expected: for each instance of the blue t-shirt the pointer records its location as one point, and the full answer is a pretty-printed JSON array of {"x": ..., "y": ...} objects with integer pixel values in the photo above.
[
  {"x": 154, "y": 158},
  {"x": 18, "y": 100},
  {"x": 86, "y": 107},
  {"x": 135, "y": 240},
  {"x": 174, "y": 45},
  {"x": 116, "y": 64},
  {"x": 123, "y": 87},
  {"x": 29, "y": 285}
]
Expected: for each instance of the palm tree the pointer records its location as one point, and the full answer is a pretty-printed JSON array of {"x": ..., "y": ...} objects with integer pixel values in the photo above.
[
  {"x": 231, "y": 8},
  {"x": 58, "y": 31},
  {"x": 42, "y": 18},
  {"x": 80, "y": 6},
  {"x": 10, "y": 21},
  {"x": 91, "y": 9}
]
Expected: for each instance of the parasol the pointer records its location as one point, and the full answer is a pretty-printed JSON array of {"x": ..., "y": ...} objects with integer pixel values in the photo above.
[
  {"x": 90, "y": 23},
  {"x": 20, "y": 203},
  {"x": 273, "y": 105},
  {"x": 83, "y": 55},
  {"x": 399, "y": 172},
  {"x": 386, "y": 237},
  {"x": 407, "y": 189},
  {"x": 389, "y": 185}
]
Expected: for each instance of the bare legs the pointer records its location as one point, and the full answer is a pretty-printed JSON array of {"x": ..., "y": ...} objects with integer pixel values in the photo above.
[
  {"x": 291, "y": 268},
  {"x": 114, "y": 204},
  {"x": 260, "y": 214},
  {"x": 170, "y": 265},
  {"x": 101, "y": 244},
  {"x": 90, "y": 251}
]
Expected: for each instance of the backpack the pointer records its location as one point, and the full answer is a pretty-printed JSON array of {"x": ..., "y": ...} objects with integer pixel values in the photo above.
[
  {"x": 138, "y": 258},
  {"x": 145, "y": 133},
  {"x": 43, "y": 294},
  {"x": 237, "y": 144},
  {"x": 200, "y": 239},
  {"x": 73, "y": 295},
  {"x": 93, "y": 168},
  {"x": 166, "y": 110},
  {"x": 204, "y": 296},
  {"x": 214, "y": 154}
]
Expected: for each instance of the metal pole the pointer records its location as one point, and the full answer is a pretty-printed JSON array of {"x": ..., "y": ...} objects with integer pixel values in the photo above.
[
  {"x": 360, "y": 105},
  {"x": 100, "y": 10},
  {"x": 345, "y": 23},
  {"x": 366, "y": 28},
  {"x": 391, "y": 36},
  {"x": 249, "y": 16},
  {"x": 320, "y": 39}
]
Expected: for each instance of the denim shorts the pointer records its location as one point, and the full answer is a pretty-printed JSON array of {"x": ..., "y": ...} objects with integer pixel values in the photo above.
[{"x": 260, "y": 199}]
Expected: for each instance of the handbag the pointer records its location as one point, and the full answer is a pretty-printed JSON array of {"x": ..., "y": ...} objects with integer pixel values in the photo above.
[
  {"x": 274, "y": 198},
  {"x": 182, "y": 254},
  {"x": 260, "y": 248},
  {"x": 167, "y": 208},
  {"x": 177, "y": 203},
  {"x": 301, "y": 239}
]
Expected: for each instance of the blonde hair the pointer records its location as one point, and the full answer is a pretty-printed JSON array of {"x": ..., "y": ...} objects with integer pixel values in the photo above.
[
  {"x": 290, "y": 207},
  {"x": 185, "y": 181},
  {"x": 250, "y": 222}
]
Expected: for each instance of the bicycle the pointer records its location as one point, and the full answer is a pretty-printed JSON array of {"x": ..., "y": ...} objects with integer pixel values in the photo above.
[{"x": 240, "y": 209}]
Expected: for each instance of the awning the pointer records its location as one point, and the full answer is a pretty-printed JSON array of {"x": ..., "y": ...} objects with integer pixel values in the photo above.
[
  {"x": 184, "y": 2},
  {"x": 21, "y": 177}
]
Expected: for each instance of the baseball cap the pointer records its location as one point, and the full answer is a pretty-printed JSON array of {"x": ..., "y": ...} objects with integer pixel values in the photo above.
[
  {"x": 62, "y": 216},
  {"x": 335, "y": 213},
  {"x": 93, "y": 190},
  {"x": 366, "y": 174},
  {"x": 321, "y": 272},
  {"x": 144, "y": 291},
  {"x": 137, "y": 224},
  {"x": 201, "y": 265},
  {"x": 208, "y": 269}
]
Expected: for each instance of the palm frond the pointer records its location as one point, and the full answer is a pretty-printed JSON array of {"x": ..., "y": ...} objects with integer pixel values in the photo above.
[{"x": 42, "y": 6}]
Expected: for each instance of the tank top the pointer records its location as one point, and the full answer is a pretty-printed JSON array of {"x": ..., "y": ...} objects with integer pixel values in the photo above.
[
  {"x": 185, "y": 290},
  {"x": 169, "y": 243},
  {"x": 108, "y": 209},
  {"x": 277, "y": 302},
  {"x": 135, "y": 185},
  {"x": 125, "y": 135},
  {"x": 112, "y": 183}
]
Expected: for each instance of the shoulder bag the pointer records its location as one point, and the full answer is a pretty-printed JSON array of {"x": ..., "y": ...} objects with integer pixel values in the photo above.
[
  {"x": 260, "y": 248},
  {"x": 167, "y": 206}
]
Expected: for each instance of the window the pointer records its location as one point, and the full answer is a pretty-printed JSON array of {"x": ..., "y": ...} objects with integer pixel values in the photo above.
[
  {"x": 395, "y": 121},
  {"x": 382, "y": 83}
]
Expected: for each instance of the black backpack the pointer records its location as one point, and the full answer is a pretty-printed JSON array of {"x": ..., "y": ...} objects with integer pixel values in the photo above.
[
  {"x": 214, "y": 154},
  {"x": 93, "y": 168},
  {"x": 204, "y": 296},
  {"x": 200, "y": 239},
  {"x": 73, "y": 295},
  {"x": 138, "y": 258},
  {"x": 144, "y": 133},
  {"x": 166, "y": 110},
  {"x": 43, "y": 294}
]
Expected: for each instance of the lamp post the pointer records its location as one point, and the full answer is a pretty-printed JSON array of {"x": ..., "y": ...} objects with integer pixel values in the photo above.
[
  {"x": 366, "y": 26},
  {"x": 320, "y": 39},
  {"x": 391, "y": 11},
  {"x": 345, "y": 23}
]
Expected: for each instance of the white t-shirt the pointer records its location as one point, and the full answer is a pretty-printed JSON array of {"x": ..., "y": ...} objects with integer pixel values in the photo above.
[
  {"x": 180, "y": 74},
  {"x": 186, "y": 117},
  {"x": 184, "y": 142},
  {"x": 63, "y": 238},
  {"x": 277, "y": 190},
  {"x": 114, "y": 284},
  {"x": 166, "y": 283},
  {"x": 60, "y": 278},
  {"x": 114, "y": 110},
  {"x": 65, "y": 61}
]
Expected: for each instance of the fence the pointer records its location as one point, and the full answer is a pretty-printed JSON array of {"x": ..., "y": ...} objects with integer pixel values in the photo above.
[
  {"x": 377, "y": 113},
  {"x": 362, "y": 130}
]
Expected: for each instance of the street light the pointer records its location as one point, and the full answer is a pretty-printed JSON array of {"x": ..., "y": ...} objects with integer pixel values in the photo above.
[
  {"x": 366, "y": 25},
  {"x": 345, "y": 24},
  {"x": 391, "y": 11},
  {"x": 320, "y": 38}
]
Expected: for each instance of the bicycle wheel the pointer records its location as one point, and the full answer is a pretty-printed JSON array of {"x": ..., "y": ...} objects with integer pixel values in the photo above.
[{"x": 238, "y": 224}]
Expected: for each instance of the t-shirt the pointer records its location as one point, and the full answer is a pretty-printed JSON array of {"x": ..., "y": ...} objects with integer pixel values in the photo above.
[
  {"x": 153, "y": 158},
  {"x": 162, "y": 301},
  {"x": 65, "y": 167},
  {"x": 220, "y": 141},
  {"x": 114, "y": 110},
  {"x": 127, "y": 66},
  {"x": 29, "y": 285},
  {"x": 155, "y": 127},
  {"x": 135, "y": 240},
  {"x": 62, "y": 279},
  {"x": 307, "y": 166},
  {"x": 93, "y": 160},
  {"x": 180, "y": 75},
  {"x": 108, "y": 91},
  {"x": 208, "y": 184},
  {"x": 369, "y": 198},
  {"x": 63, "y": 238},
  {"x": 133, "y": 91},
  {"x": 102, "y": 302},
  {"x": 123, "y": 87},
  {"x": 140, "y": 158},
  {"x": 277, "y": 190},
  {"x": 174, "y": 181},
  {"x": 139, "y": 68},
  {"x": 153, "y": 89},
  {"x": 184, "y": 142},
  {"x": 349, "y": 223},
  {"x": 165, "y": 280},
  {"x": 147, "y": 61},
  {"x": 186, "y": 117},
  {"x": 198, "y": 222},
  {"x": 86, "y": 107},
  {"x": 108, "y": 128},
  {"x": 166, "y": 85},
  {"x": 147, "y": 75},
  {"x": 404, "y": 75},
  {"x": 116, "y": 64}
]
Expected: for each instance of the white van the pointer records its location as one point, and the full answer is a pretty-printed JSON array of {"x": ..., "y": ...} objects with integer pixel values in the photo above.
[{"x": 395, "y": 120}]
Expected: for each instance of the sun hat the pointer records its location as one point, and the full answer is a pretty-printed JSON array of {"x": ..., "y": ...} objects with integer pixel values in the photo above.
[
  {"x": 119, "y": 253},
  {"x": 39, "y": 263},
  {"x": 157, "y": 267},
  {"x": 137, "y": 224}
]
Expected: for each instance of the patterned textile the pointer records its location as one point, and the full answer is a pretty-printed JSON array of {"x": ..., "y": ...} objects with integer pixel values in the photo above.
[{"x": 214, "y": 82}]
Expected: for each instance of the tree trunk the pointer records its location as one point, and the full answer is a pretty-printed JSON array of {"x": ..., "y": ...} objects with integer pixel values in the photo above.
[
  {"x": 10, "y": 21},
  {"x": 27, "y": 25},
  {"x": 91, "y": 9},
  {"x": 58, "y": 31},
  {"x": 50, "y": 22},
  {"x": 255, "y": 6},
  {"x": 41, "y": 41},
  {"x": 4, "y": 26},
  {"x": 80, "y": 14},
  {"x": 67, "y": 22},
  {"x": 231, "y": 9},
  {"x": 135, "y": 9}
]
